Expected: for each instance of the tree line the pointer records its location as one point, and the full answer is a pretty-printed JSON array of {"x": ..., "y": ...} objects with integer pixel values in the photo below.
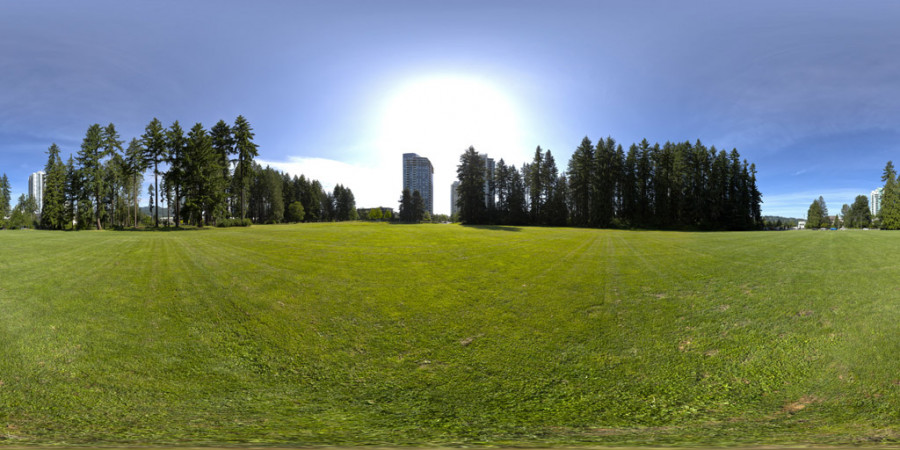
[
  {"x": 206, "y": 177},
  {"x": 858, "y": 215},
  {"x": 676, "y": 185}
]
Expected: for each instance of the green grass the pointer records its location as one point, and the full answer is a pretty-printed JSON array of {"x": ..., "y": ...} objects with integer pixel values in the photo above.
[{"x": 440, "y": 334}]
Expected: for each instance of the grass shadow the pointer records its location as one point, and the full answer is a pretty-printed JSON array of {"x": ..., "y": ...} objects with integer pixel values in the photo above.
[
  {"x": 495, "y": 227},
  {"x": 160, "y": 229}
]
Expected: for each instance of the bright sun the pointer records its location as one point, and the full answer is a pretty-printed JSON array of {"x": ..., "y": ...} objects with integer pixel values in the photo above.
[{"x": 449, "y": 114}]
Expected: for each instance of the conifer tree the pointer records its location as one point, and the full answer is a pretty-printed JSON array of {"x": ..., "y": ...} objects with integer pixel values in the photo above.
[
  {"x": 90, "y": 161},
  {"x": 199, "y": 171},
  {"x": 154, "y": 140},
  {"x": 470, "y": 198},
  {"x": 5, "y": 207},
  {"x": 54, "y": 198},
  {"x": 889, "y": 213},
  {"x": 858, "y": 214},
  {"x": 813, "y": 215},
  {"x": 534, "y": 184},
  {"x": 223, "y": 146},
  {"x": 518, "y": 210},
  {"x": 418, "y": 207},
  {"x": 582, "y": 174},
  {"x": 406, "y": 206},
  {"x": 135, "y": 165},
  {"x": 175, "y": 156},
  {"x": 246, "y": 151}
]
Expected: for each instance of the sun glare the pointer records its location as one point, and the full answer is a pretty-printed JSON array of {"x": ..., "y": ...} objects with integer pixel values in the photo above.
[{"x": 449, "y": 113}]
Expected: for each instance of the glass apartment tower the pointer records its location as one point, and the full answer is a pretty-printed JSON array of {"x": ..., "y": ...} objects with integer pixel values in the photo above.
[
  {"x": 36, "y": 189},
  {"x": 418, "y": 174}
]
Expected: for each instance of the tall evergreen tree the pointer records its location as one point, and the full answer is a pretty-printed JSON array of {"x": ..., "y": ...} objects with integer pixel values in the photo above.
[
  {"x": 135, "y": 165},
  {"x": 246, "y": 151},
  {"x": 518, "y": 210},
  {"x": 582, "y": 174},
  {"x": 5, "y": 207},
  {"x": 112, "y": 146},
  {"x": 534, "y": 180},
  {"x": 223, "y": 146},
  {"x": 71, "y": 193},
  {"x": 54, "y": 198},
  {"x": 90, "y": 161},
  {"x": 176, "y": 144},
  {"x": 470, "y": 192},
  {"x": 889, "y": 213},
  {"x": 154, "y": 140},
  {"x": 418, "y": 207},
  {"x": 200, "y": 170},
  {"x": 406, "y": 207},
  {"x": 550, "y": 183},
  {"x": 502, "y": 187},
  {"x": 859, "y": 215}
]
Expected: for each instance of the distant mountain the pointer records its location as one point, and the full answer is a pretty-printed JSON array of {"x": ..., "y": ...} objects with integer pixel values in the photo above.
[{"x": 787, "y": 221}]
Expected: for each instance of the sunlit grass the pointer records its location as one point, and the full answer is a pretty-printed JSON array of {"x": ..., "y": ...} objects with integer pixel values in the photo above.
[{"x": 386, "y": 334}]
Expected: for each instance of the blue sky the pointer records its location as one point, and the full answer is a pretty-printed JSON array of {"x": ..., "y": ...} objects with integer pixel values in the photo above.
[{"x": 809, "y": 91}]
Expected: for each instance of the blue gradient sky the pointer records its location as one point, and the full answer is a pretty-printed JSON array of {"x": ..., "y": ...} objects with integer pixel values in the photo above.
[{"x": 807, "y": 90}]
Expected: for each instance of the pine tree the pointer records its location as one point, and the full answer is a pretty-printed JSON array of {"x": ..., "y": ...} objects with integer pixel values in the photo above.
[
  {"x": 518, "y": 211},
  {"x": 889, "y": 212},
  {"x": 135, "y": 165},
  {"x": 154, "y": 140},
  {"x": 406, "y": 206},
  {"x": 859, "y": 215},
  {"x": 90, "y": 161},
  {"x": 71, "y": 192},
  {"x": 582, "y": 182},
  {"x": 199, "y": 170},
  {"x": 175, "y": 155},
  {"x": 5, "y": 207},
  {"x": 549, "y": 181},
  {"x": 223, "y": 146},
  {"x": 470, "y": 198},
  {"x": 534, "y": 185},
  {"x": 501, "y": 184},
  {"x": 418, "y": 207},
  {"x": 814, "y": 215},
  {"x": 246, "y": 151},
  {"x": 54, "y": 198}
]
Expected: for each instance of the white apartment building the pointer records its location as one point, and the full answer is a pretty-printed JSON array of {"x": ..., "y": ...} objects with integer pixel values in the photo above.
[
  {"x": 36, "y": 189},
  {"x": 875, "y": 202}
]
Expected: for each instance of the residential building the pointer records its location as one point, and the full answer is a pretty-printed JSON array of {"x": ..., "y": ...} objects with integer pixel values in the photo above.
[
  {"x": 454, "y": 196},
  {"x": 875, "y": 202},
  {"x": 418, "y": 175},
  {"x": 489, "y": 182},
  {"x": 36, "y": 189}
]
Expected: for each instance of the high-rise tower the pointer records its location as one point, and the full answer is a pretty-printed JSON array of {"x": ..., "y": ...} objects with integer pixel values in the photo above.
[
  {"x": 418, "y": 174},
  {"x": 36, "y": 189}
]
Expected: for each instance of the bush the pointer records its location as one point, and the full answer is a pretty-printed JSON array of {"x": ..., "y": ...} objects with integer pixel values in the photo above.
[{"x": 234, "y": 223}]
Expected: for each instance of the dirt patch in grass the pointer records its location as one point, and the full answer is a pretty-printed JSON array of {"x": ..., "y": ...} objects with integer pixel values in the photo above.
[{"x": 800, "y": 404}]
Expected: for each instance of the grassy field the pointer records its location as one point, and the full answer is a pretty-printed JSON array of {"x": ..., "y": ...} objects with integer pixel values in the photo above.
[{"x": 441, "y": 334}]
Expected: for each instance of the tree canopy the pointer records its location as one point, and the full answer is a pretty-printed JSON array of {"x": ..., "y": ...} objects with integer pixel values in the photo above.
[{"x": 674, "y": 185}]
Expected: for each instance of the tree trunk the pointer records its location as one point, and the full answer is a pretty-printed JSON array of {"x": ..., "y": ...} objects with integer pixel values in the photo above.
[
  {"x": 177, "y": 206},
  {"x": 156, "y": 191},
  {"x": 135, "y": 201}
]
